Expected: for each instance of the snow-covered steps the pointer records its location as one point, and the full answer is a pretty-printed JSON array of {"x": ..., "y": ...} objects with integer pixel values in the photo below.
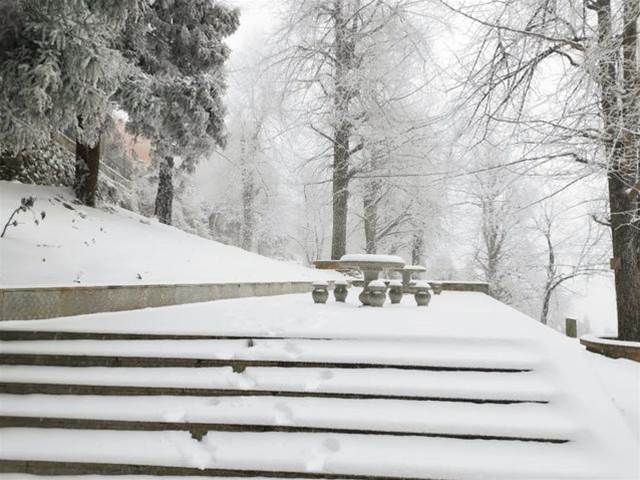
[
  {"x": 288, "y": 414},
  {"x": 242, "y": 353},
  {"x": 248, "y": 454},
  {"x": 309, "y": 382},
  {"x": 465, "y": 389}
]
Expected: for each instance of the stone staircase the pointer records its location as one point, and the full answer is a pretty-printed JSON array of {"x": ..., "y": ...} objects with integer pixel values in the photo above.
[{"x": 114, "y": 403}]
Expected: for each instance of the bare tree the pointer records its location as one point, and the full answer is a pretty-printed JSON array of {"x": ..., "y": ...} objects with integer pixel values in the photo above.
[
  {"x": 498, "y": 228},
  {"x": 589, "y": 52},
  {"x": 567, "y": 258}
]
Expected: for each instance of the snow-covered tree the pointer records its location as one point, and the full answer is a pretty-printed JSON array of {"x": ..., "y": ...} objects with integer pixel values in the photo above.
[
  {"x": 174, "y": 92},
  {"x": 59, "y": 69},
  {"x": 339, "y": 58},
  {"x": 569, "y": 255}
]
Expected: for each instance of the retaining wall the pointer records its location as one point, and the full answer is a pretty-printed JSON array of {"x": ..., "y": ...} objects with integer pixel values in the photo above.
[
  {"x": 50, "y": 302},
  {"x": 457, "y": 286}
]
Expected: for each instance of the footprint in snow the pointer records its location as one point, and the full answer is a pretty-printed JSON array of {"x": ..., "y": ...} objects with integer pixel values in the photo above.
[
  {"x": 292, "y": 349},
  {"x": 331, "y": 444},
  {"x": 321, "y": 454},
  {"x": 240, "y": 380},
  {"x": 200, "y": 454},
  {"x": 194, "y": 453},
  {"x": 283, "y": 414}
]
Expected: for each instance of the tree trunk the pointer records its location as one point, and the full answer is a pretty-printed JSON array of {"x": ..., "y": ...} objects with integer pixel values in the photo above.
[
  {"x": 164, "y": 197},
  {"x": 622, "y": 172},
  {"x": 551, "y": 275},
  {"x": 370, "y": 207},
  {"x": 417, "y": 248},
  {"x": 248, "y": 199},
  {"x": 342, "y": 132},
  {"x": 546, "y": 301},
  {"x": 87, "y": 168},
  {"x": 340, "y": 194}
]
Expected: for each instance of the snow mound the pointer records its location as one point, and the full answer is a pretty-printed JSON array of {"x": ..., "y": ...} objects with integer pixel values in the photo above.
[{"x": 75, "y": 244}]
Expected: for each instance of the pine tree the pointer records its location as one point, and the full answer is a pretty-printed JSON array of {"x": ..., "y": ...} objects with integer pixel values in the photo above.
[
  {"x": 174, "y": 93},
  {"x": 59, "y": 69}
]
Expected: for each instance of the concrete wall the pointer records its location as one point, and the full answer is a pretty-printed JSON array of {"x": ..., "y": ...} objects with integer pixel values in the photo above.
[
  {"x": 454, "y": 286},
  {"x": 38, "y": 303}
]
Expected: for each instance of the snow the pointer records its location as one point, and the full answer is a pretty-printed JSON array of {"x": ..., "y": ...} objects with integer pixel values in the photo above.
[
  {"x": 453, "y": 418},
  {"x": 402, "y": 383},
  {"x": 518, "y": 355},
  {"x": 415, "y": 268},
  {"x": 330, "y": 453},
  {"x": 586, "y": 401},
  {"x": 298, "y": 316},
  {"x": 620, "y": 378},
  {"x": 77, "y": 245},
  {"x": 367, "y": 257}
]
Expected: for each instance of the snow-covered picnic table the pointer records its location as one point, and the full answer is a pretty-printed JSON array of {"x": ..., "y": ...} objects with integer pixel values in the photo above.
[{"x": 371, "y": 266}]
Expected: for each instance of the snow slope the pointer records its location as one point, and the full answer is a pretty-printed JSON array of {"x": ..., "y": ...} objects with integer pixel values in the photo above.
[{"x": 112, "y": 246}]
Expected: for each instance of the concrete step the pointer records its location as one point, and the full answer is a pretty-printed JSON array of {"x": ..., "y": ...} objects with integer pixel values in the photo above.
[
  {"x": 237, "y": 366},
  {"x": 287, "y": 414},
  {"x": 243, "y": 353},
  {"x": 407, "y": 355},
  {"x": 110, "y": 390},
  {"x": 303, "y": 382},
  {"x": 93, "y": 471},
  {"x": 29, "y": 335},
  {"x": 199, "y": 430},
  {"x": 253, "y": 454}
]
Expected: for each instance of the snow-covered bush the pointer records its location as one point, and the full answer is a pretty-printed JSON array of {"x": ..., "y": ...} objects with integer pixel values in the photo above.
[{"x": 50, "y": 165}]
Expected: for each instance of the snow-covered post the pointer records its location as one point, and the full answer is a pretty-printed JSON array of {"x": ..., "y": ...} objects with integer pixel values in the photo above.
[{"x": 571, "y": 327}]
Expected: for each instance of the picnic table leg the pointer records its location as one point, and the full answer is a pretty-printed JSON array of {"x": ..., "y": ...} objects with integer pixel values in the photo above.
[
  {"x": 369, "y": 276},
  {"x": 406, "y": 278}
]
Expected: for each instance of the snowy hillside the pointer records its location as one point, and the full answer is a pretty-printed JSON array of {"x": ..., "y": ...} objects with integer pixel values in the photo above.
[{"x": 81, "y": 245}]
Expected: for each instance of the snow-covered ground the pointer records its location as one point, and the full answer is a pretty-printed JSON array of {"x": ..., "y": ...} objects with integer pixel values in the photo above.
[
  {"x": 587, "y": 399},
  {"x": 77, "y": 245}
]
